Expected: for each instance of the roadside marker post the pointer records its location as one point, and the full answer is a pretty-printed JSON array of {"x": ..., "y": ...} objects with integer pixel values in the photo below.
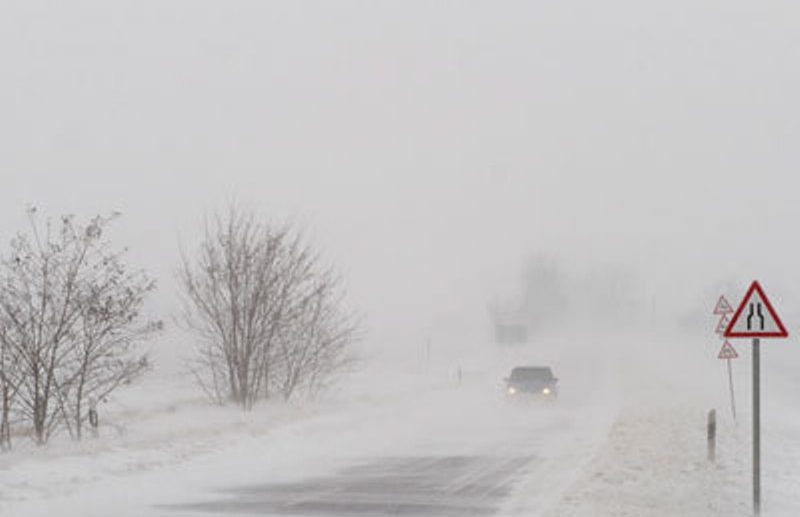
[
  {"x": 755, "y": 318},
  {"x": 711, "y": 430}
]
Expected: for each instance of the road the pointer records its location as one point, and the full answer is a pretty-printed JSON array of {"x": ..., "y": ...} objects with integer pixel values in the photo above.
[
  {"x": 413, "y": 449},
  {"x": 459, "y": 451},
  {"x": 410, "y": 486}
]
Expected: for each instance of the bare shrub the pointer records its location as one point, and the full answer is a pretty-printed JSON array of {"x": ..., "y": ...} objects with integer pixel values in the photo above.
[
  {"x": 69, "y": 319},
  {"x": 268, "y": 315}
]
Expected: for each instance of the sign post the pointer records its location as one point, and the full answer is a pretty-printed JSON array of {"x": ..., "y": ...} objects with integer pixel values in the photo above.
[
  {"x": 727, "y": 352},
  {"x": 723, "y": 309},
  {"x": 756, "y": 426},
  {"x": 755, "y": 318},
  {"x": 730, "y": 388}
]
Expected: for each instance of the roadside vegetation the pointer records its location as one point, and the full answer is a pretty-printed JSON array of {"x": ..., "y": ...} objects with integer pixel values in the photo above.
[
  {"x": 267, "y": 313},
  {"x": 70, "y": 320},
  {"x": 267, "y": 318}
]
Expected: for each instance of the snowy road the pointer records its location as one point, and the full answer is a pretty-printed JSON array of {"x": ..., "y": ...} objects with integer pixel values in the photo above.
[
  {"x": 411, "y": 486},
  {"x": 435, "y": 450},
  {"x": 420, "y": 444},
  {"x": 459, "y": 451}
]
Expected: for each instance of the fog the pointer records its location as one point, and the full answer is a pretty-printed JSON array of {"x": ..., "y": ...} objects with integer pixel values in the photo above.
[{"x": 428, "y": 149}]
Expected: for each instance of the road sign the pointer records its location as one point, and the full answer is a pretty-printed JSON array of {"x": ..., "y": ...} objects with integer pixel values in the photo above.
[
  {"x": 755, "y": 317},
  {"x": 722, "y": 307},
  {"x": 723, "y": 324},
  {"x": 727, "y": 351}
]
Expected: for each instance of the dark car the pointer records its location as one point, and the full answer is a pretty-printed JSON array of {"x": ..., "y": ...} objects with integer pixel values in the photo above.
[{"x": 530, "y": 381}]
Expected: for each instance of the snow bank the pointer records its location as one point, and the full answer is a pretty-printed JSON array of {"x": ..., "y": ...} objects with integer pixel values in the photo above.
[
  {"x": 654, "y": 464},
  {"x": 162, "y": 439},
  {"x": 654, "y": 460}
]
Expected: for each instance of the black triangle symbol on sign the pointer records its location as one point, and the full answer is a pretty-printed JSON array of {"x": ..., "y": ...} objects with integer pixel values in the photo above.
[{"x": 755, "y": 317}]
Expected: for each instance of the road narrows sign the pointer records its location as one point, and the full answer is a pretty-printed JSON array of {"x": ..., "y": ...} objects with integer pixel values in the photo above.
[
  {"x": 722, "y": 307},
  {"x": 727, "y": 351},
  {"x": 755, "y": 317}
]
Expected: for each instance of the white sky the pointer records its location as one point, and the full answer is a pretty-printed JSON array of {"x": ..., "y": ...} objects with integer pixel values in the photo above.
[{"x": 427, "y": 146}]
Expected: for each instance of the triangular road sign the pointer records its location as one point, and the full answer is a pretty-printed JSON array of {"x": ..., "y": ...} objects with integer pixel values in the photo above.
[
  {"x": 727, "y": 351},
  {"x": 755, "y": 317},
  {"x": 724, "y": 321},
  {"x": 722, "y": 307}
]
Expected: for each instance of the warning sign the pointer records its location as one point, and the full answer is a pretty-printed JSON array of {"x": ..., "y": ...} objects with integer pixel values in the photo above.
[
  {"x": 722, "y": 325},
  {"x": 727, "y": 351},
  {"x": 722, "y": 307},
  {"x": 755, "y": 317}
]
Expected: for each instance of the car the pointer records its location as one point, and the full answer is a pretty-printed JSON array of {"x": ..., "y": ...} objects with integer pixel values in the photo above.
[{"x": 532, "y": 381}]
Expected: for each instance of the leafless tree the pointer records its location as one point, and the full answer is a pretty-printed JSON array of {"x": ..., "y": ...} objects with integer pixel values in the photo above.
[
  {"x": 268, "y": 314},
  {"x": 9, "y": 384},
  {"x": 313, "y": 347},
  {"x": 69, "y": 316},
  {"x": 102, "y": 358}
]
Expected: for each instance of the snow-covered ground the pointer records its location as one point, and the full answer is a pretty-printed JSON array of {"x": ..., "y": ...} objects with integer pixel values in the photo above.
[
  {"x": 627, "y": 437},
  {"x": 654, "y": 462}
]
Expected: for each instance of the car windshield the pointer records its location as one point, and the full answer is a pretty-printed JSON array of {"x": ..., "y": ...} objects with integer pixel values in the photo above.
[{"x": 531, "y": 373}]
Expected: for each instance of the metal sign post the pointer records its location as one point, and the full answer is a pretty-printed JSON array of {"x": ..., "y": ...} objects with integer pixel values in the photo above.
[
  {"x": 730, "y": 386},
  {"x": 756, "y": 426},
  {"x": 727, "y": 352},
  {"x": 723, "y": 309},
  {"x": 755, "y": 318}
]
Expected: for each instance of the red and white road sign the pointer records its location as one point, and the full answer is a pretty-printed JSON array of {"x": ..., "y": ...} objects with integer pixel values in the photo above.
[
  {"x": 727, "y": 351},
  {"x": 755, "y": 317},
  {"x": 724, "y": 321},
  {"x": 723, "y": 307}
]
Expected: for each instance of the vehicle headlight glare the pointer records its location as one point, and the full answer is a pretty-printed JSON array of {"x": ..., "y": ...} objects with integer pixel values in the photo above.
[
  {"x": 512, "y": 390},
  {"x": 546, "y": 391}
]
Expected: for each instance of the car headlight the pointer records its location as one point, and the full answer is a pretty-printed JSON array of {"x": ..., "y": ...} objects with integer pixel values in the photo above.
[
  {"x": 512, "y": 390},
  {"x": 546, "y": 391}
]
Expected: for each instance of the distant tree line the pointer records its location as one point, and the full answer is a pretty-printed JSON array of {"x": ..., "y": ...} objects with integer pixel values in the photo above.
[
  {"x": 268, "y": 316},
  {"x": 548, "y": 297}
]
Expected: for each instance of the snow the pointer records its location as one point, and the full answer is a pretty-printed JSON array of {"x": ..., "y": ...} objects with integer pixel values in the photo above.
[
  {"x": 654, "y": 463},
  {"x": 626, "y": 438}
]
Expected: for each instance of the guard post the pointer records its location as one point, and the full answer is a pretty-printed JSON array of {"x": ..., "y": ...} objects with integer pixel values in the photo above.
[
  {"x": 94, "y": 422},
  {"x": 711, "y": 432}
]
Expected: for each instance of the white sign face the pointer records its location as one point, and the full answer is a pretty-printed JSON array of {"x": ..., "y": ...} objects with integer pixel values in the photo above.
[{"x": 755, "y": 317}]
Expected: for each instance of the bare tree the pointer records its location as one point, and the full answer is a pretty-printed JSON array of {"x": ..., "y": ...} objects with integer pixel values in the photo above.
[
  {"x": 69, "y": 312},
  {"x": 256, "y": 295},
  {"x": 313, "y": 346},
  {"x": 9, "y": 384},
  {"x": 102, "y": 358}
]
